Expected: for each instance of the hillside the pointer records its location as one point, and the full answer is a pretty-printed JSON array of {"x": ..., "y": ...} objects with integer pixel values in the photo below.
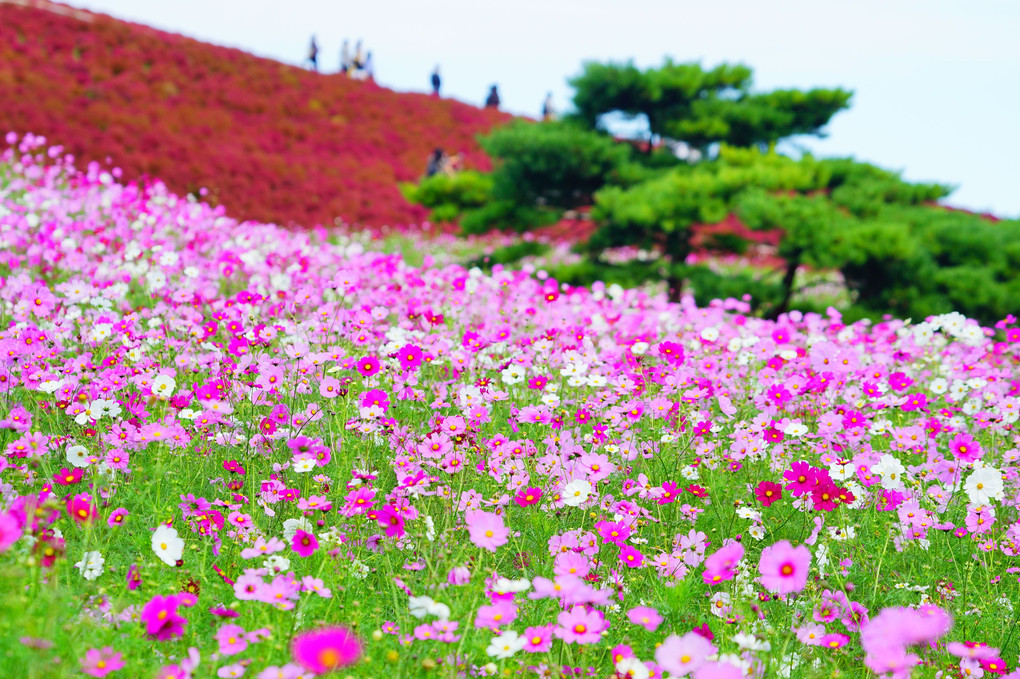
[{"x": 271, "y": 142}]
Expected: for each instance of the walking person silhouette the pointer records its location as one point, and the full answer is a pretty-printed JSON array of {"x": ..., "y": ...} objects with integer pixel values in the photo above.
[{"x": 313, "y": 54}]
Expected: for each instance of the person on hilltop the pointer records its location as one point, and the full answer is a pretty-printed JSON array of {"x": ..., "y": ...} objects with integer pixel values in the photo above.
[
  {"x": 368, "y": 68},
  {"x": 436, "y": 162},
  {"x": 492, "y": 101},
  {"x": 359, "y": 59},
  {"x": 547, "y": 108},
  {"x": 345, "y": 57},
  {"x": 452, "y": 164},
  {"x": 313, "y": 54},
  {"x": 436, "y": 81}
]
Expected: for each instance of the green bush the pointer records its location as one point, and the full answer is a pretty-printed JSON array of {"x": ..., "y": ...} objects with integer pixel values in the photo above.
[
  {"x": 508, "y": 255},
  {"x": 449, "y": 196},
  {"x": 554, "y": 164}
]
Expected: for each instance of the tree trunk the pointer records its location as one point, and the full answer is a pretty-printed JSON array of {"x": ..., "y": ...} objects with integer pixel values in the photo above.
[
  {"x": 676, "y": 249},
  {"x": 792, "y": 264}
]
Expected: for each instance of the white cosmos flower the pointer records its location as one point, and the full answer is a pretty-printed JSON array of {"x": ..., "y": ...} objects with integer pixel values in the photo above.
[
  {"x": 91, "y": 565},
  {"x": 420, "y": 606},
  {"x": 984, "y": 485},
  {"x": 505, "y": 645},
  {"x": 304, "y": 464},
  {"x": 632, "y": 668},
  {"x": 163, "y": 386},
  {"x": 795, "y": 429},
  {"x": 167, "y": 545},
  {"x": 78, "y": 456},
  {"x": 291, "y": 527},
  {"x": 576, "y": 492},
  {"x": 50, "y": 386},
  {"x": 505, "y": 585},
  {"x": 891, "y": 470}
]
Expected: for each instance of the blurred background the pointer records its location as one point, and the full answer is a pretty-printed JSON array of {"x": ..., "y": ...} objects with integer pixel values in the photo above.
[{"x": 934, "y": 81}]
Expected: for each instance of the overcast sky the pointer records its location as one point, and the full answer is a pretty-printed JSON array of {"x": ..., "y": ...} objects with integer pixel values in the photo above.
[{"x": 937, "y": 83}]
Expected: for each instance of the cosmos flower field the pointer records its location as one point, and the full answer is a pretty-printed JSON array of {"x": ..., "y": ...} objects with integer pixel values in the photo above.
[{"x": 235, "y": 450}]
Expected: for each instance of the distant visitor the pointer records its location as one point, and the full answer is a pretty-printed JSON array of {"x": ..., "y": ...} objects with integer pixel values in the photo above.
[
  {"x": 436, "y": 81},
  {"x": 435, "y": 164},
  {"x": 440, "y": 163},
  {"x": 368, "y": 69},
  {"x": 492, "y": 101},
  {"x": 313, "y": 54},
  {"x": 345, "y": 57},
  {"x": 547, "y": 108}
]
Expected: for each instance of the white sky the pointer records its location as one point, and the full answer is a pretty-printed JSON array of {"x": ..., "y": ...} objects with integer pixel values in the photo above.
[{"x": 936, "y": 82}]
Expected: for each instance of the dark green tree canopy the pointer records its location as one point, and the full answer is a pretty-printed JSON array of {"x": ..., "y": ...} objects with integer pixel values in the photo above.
[
  {"x": 701, "y": 107},
  {"x": 556, "y": 164}
]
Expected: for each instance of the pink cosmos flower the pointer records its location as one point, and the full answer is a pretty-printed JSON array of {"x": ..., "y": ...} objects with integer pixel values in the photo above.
[
  {"x": 389, "y": 519},
  {"x": 768, "y": 492},
  {"x": 232, "y": 639},
  {"x": 784, "y": 568},
  {"x": 682, "y": 655},
  {"x": 494, "y": 616},
  {"x": 368, "y": 366},
  {"x": 965, "y": 448},
  {"x": 834, "y": 641},
  {"x": 117, "y": 517},
  {"x": 329, "y": 387},
  {"x": 721, "y": 565},
  {"x": 81, "y": 509},
  {"x": 631, "y": 557},
  {"x": 613, "y": 532},
  {"x": 100, "y": 662},
  {"x": 580, "y": 625},
  {"x": 304, "y": 544},
  {"x": 326, "y": 649},
  {"x": 801, "y": 477},
  {"x": 538, "y": 639},
  {"x": 160, "y": 617},
  {"x": 410, "y": 357},
  {"x": 971, "y": 650},
  {"x": 528, "y": 496},
  {"x": 133, "y": 577},
  {"x": 486, "y": 529},
  {"x": 648, "y": 618},
  {"x": 10, "y": 531}
]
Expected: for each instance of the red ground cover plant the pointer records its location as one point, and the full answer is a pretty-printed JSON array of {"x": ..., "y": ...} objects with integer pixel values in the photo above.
[{"x": 271, "y": 142}]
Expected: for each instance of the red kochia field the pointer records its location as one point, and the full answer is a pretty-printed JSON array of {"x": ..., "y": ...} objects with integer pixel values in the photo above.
[{"x": 272, "y": 142}]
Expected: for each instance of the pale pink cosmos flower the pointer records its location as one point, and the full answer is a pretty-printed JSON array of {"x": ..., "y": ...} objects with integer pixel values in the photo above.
[
  {"x": 648, "y": 618},
  {"x": 682, "y": 655},
  {"x": 100, "y": 662},
  {"x": 580, "y": 625},
  {"x": 486, "y": 529},
  {"x": 784, "y": 568}
]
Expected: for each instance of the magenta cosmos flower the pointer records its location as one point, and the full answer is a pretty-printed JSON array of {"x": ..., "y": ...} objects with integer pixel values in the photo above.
[
  {"x": 784, "y": 568},
  {"x": 81, "y": 509},
  {"x": 528, "y": 496},
  {"x": 326, "y": 649},
  {"x": 368, "y": 366},
  {"x": 486, "y": 529},
  {"x": 160, "y": 617},
  {"x": 768, "y": 492},
  {"x": 304, "y": 543}
]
